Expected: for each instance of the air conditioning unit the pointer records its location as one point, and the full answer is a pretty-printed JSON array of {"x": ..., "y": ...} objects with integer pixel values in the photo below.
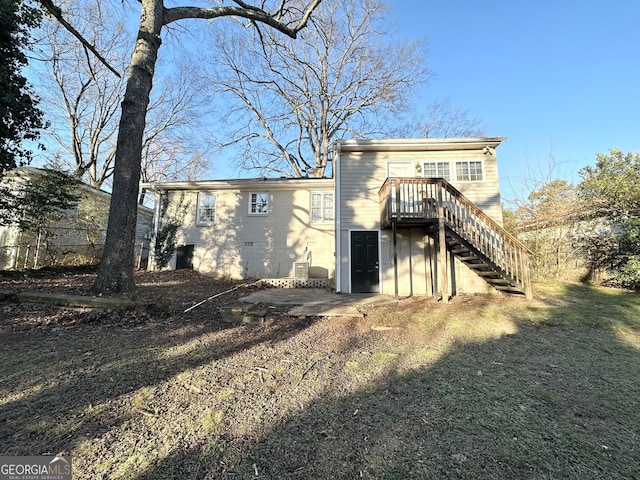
[{"x": 301, "y": 270}]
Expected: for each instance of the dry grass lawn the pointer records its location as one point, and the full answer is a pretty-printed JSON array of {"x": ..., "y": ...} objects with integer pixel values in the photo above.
[{"x": 487, "y": 387}]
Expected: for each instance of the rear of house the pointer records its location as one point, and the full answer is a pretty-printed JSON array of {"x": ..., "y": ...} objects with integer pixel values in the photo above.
[
  {"x": 399, "y": 217},
  {"x": 387, "y": 197},
  {"x": 250, "y": 228}
]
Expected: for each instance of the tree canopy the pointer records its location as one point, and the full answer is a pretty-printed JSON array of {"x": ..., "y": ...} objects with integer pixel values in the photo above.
[
  {"x": 611, "y": 193},
  {"x": 82, "y": 98},
  {"x": 21, "y": 117},
  {"x": 289, "y": 100},
  {"x": 612, "y": 186}
]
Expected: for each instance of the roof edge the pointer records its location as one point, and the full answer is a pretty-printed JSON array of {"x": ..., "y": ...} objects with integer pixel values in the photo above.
[
  {"x": 239, "y": 183},
  {"x": 419, "y": 144}
]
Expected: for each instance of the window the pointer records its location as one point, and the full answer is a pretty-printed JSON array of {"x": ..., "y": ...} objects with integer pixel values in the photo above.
[
  {"x": 206, "y": 214},
  {"x": 469, "y": 171},
  {"x": 465, "y": 171},
  {"x": 437, "y": 170},
  {"x": 321, "y": 207},
  {"x": 259, "y": 203}
]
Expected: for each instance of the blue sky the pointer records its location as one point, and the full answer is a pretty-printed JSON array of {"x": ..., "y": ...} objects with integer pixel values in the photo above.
[{"x": 560, "y": 79}]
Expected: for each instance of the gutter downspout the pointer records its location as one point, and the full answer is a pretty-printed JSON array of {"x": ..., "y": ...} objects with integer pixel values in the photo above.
[{"x": 338, "y": 222}]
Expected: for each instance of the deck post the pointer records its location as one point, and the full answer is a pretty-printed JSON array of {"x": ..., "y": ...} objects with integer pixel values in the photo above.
[
  {"x": 442, "y": 253},
  {"x": 395, "y": 255},
  {"x": 526, "y": 276}
]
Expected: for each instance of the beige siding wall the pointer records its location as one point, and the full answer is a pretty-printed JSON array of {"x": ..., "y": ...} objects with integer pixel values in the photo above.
[
  {"x": 244, "y": 245},
  {"x": 361, "y": 174}
]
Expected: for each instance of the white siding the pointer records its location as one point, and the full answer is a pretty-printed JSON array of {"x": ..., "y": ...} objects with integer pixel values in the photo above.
[
  {"x": 244, "y": 245},
  {"x": 361, "y": 173}
]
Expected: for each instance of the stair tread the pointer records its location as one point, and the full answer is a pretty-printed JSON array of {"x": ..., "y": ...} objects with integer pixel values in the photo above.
[
  {"x": 509, "y": 288},
  {"x": 473, "y": 266},
  {"x": 497, "y": 280},
  {"x": 487, "y": 273}
]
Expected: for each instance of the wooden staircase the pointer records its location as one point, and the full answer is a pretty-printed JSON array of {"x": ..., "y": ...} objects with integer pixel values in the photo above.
[
  {"x": 460, "y": 227},
  {"x": 482, "y": 266}
]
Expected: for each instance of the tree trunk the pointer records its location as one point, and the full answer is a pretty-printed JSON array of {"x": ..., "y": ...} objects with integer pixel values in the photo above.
[{"x": 116, "y": 267}]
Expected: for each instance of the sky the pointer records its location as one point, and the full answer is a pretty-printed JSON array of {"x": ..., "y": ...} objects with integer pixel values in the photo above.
[{"x": 559, "y": 79}]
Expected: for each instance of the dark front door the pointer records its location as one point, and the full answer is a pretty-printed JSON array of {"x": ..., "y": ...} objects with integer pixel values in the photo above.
[
  {"x": 364, "y": 262},
  {"x": 184, "y": 257}
]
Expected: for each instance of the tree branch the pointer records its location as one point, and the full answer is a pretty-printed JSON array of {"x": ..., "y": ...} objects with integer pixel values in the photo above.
[
  {"x": 57, "y": 13},
  {"x": 243, "y": 11}
]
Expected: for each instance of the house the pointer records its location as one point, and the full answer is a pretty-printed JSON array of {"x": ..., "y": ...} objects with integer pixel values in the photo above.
[
  {"x": 76, "y": 239},
  {"x": 400, "y": 217},
  {"x": 250, "y": 228}
]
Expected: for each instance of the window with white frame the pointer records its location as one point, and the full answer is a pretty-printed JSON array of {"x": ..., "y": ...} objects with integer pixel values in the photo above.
[
  {"x": 437, "y": 170},
  {"x": 321, "y": 207},
  {"x": 206, "y": 212},
  {"x": 469, "y": 171},
  {"x": 463, "y": 171},
  {"x": 259, "y": 203}
]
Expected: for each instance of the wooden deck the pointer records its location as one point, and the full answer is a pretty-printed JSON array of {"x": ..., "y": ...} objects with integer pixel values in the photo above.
[{"x": 481, "y": 243}]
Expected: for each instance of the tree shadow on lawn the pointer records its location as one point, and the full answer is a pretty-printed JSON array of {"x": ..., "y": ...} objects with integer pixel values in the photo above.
[
  {"x": 557, "y": 399},
  {"x": 56, "y": 379}
]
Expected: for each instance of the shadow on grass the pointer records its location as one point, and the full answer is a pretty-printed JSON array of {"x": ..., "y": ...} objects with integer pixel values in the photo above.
[
  {"x": 59, "y": 377},
  {"x": 557, "y": 399}
]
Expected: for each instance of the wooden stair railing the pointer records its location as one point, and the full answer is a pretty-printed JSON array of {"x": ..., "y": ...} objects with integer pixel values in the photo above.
[{"x": 471, "y": 235}]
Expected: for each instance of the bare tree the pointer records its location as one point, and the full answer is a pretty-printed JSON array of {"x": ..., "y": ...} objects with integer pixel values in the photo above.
[
  {"x": 84, "y": 95},
  {"x": 288, "y": 101},
  {"x": 116, "y": 267},
  {"x": 81, "y": 94},
  {"x": 441, "y": 120}
]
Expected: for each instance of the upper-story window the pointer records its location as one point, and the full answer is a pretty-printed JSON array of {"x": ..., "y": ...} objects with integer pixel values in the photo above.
[
  {"x": 437, "y": 170},
  {"x": 321, "y": 207},
  {"x": 206, "y": 212},
  {"x": 259, "y": 203},
  {"x": 462, "y": 171},
  {"x": 469, "y": 171}
]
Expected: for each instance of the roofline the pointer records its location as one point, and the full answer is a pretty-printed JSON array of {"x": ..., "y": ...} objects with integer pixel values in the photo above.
[
  {"x": 419, "y": 144},
  {"x": 240, "y": 183},
  {"x": 14, "y": 173}
]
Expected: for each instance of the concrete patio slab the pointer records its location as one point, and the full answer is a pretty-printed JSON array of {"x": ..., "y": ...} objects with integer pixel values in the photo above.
[{"x": 315, "y": 302}]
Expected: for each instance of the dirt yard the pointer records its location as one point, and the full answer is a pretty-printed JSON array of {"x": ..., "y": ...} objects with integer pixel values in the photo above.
[{"x": 486, "y": 387}]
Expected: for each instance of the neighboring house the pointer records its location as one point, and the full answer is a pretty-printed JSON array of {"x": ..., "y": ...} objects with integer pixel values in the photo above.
[
  {"x": 401, "y": 217},
  {"x": 78, "y": 238}
]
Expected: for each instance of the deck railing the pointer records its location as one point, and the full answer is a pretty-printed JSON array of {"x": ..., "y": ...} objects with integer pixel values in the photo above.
[{"x": 411, "y": 201}]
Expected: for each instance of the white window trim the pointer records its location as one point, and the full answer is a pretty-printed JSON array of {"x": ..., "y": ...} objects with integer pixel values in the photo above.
[
  {"x": 215, "y": 209},
  {"x": 449, "y": 162},
  {"x": 322, "y": 194},
  {"x": 453, "y": 171},
  {"x": 455, "y": 164},
  {"x": 251, "y": 203}
]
